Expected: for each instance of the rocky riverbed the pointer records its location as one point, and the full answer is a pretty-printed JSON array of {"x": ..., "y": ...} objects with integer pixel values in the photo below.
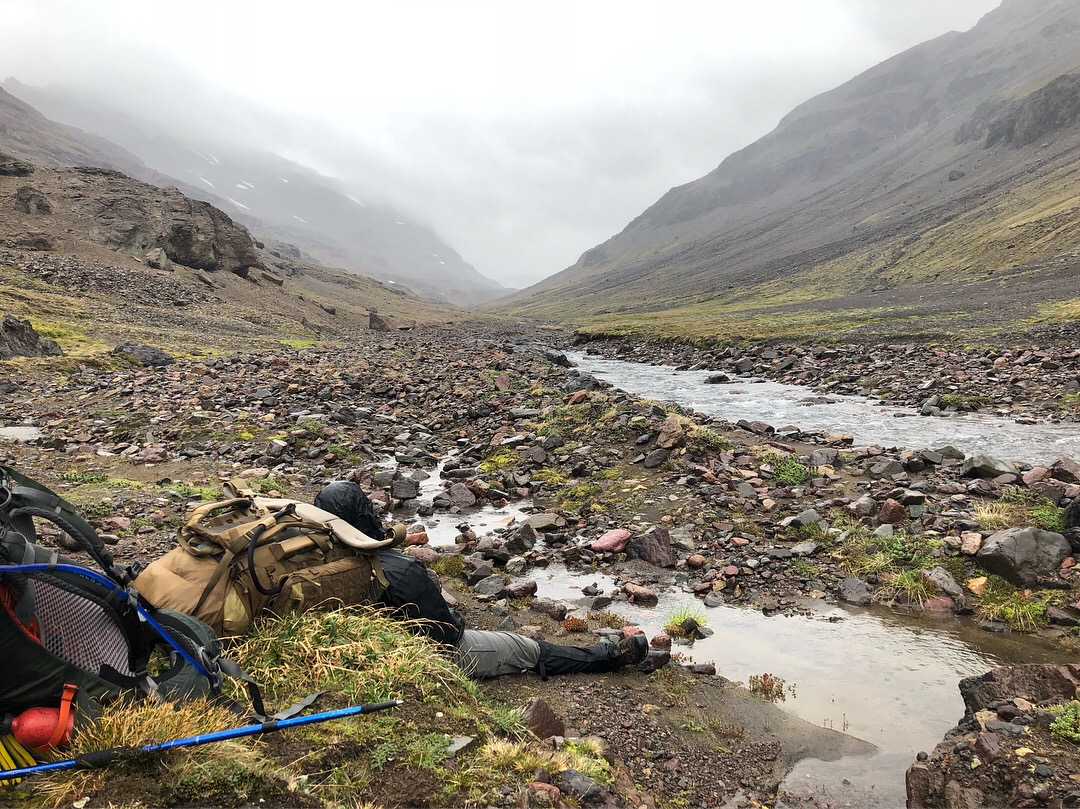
[{"x": 654, "y": 496}]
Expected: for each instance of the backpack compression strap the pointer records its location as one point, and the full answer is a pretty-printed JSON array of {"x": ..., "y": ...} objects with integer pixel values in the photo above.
[{"x": 22, "y": 497}]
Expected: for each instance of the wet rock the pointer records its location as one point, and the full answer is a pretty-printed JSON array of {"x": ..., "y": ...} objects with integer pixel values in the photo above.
[
  {"x": 613, "y": 541},
  {"x": 854, "y": 591},
  {"x": 653, "y": 547},
  {"x": 640, "y": 595},
  {"x": 1023, "y": 556}
]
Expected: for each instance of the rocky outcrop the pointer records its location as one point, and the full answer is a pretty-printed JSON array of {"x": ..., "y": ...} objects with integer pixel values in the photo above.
[
  {"x": 132, "y": 217},
  {"x": 1002, "y": 753},
  {"x": 10, "y": 167},
  {"x": 18, "y": 339}
]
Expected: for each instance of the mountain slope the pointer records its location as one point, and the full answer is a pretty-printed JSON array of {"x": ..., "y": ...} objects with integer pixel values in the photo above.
[
  {"x": 947, "y": 161},
  {"x": 279, "y": 199}
]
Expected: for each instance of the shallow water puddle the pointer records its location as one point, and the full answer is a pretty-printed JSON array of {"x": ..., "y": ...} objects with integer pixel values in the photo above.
[
  {"x": 20, "y": 432},
  {"x": 884, "y": 677}
]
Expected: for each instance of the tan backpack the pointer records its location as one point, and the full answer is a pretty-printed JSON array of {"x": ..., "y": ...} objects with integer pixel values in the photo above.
[{"x": 239, "y": 556}]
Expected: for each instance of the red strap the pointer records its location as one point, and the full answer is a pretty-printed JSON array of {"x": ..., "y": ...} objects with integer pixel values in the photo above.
[{"x": 60, "y": 732}]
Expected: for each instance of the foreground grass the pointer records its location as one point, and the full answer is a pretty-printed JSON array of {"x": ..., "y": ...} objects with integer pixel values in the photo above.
[{"x": 356, "y": 656}]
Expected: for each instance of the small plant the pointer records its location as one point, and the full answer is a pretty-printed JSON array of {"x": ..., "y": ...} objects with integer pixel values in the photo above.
[
  {"x": 674, "y": 625},
  {"x": 607, "y": 618},
  {"x": 188, "y": 492},
  {"x": 575, "y": 623},
  {"x": 450, "y": 565},
  {"x": 705, "y": 439},
  {"x": 769, "y": 687},
  {"x": 81, "y": 478},
  {"x": 962, "y": 401},
  {"x": 500, "y": 459},
  {"x": 550, "y": 476},
  {"x": 1066, "y": 723},
  {"x": 1000, "y": 601},
  {"x": 805, "y": 569},
  {"x": 909, "y": 586},
  {"x": 788, "y": 470}
]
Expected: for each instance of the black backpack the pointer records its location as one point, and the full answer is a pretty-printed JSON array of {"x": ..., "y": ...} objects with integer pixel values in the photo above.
[{"x": 70, "y": 634}]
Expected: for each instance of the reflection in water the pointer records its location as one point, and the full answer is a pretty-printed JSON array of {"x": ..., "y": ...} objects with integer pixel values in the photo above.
[
  {"x": 869, "y": 421},
  {"x": 884, "y": 677}
]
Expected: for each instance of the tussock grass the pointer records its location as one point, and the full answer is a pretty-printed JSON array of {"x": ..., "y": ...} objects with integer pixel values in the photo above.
[
  {"x": 357, "y": 652},
  {"x": 673, "y": 625},
  {"x": 152, "y": 722},
  {"x": 582, "y": 755}
]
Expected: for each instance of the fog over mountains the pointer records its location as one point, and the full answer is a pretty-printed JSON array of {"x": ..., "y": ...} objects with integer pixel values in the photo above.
[
  {"x": 275, "y": 197},
  {"x": 953, "y": 159}
]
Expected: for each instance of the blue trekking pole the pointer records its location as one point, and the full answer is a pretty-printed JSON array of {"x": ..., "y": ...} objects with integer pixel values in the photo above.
[{"x": 102, "y": 758}]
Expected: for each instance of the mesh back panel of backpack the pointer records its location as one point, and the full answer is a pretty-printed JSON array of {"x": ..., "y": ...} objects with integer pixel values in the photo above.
[{"x": 79, "y": 630}]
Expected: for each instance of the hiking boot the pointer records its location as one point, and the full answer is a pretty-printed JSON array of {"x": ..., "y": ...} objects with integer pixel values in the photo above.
[
  {"x": 632, "y": 650},
  {"x": 656, "y": 659}
]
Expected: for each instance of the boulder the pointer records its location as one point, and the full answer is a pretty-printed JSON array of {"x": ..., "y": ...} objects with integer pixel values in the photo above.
[
  {"x": 653, "y": 547},
  {"x": 144, "y": 354},
  {"x": 29, "y": 200},
  {"x": 1022, "y": 556},
  {"x": 983, "y": 466},
  {"x": 377, "y": 322},
  {"x": 10, "y": 167},
  {"x": 18, "y": 339}
]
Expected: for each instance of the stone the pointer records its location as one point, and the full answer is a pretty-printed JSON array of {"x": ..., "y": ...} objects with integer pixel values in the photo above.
[
  {"x": 854, "y": 591},
  {"x": 613, "y": 541},
  {"x": 404, "y": 488},
  {"x": 653, "y": 547},
  {"x": 588, "y": 791},
  {"x": 144, "y": 354},
  {"x": 1023, "y": 556},
  {"x": 970, "y": 542},
  {"x": 640, "y": 595},
  {"x": 892, "y": 512},
  {"x": 554, "y": 609},
  {"x": 19, "y": 339},
  {"x": 521, "y": 589},
  {"x": 984, "y": 466},
  {"x": 943, "y": 582},
  {"x": 671, "y": 434},
  {"x": 541, "y": 719},
  {"x": 493, "y": 585}
]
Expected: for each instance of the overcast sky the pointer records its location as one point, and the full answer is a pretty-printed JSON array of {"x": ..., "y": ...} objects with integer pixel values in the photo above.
[{"x": 524, "y": 133}]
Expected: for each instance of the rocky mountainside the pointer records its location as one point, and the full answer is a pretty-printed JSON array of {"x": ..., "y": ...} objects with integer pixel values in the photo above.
[
  {"x": 276, "y": 198},
  {"x": 952, "y": 160}
]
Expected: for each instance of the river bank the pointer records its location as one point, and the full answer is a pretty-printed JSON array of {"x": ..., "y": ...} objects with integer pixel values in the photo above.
[{"x": 739, "y": 515}]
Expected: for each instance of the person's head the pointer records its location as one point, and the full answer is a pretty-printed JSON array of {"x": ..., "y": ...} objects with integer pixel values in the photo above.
[{"x": 345, "y": 499}]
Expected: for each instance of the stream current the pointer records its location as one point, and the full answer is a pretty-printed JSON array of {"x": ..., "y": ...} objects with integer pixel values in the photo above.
[{"x": 883, "y": 676}]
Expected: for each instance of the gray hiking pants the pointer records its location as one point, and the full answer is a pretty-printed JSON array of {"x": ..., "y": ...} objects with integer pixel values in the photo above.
[{"x": 482, "y": 654}]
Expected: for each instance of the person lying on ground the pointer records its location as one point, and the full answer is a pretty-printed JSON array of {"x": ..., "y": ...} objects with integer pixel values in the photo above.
[{"x": 412, "y": 594}]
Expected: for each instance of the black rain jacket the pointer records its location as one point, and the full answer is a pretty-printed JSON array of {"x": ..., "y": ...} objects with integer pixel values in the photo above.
[{"x": 410, "y": 592}]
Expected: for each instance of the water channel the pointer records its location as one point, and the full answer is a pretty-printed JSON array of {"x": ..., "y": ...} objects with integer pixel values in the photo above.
[{"x": 882, "y": 676}]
